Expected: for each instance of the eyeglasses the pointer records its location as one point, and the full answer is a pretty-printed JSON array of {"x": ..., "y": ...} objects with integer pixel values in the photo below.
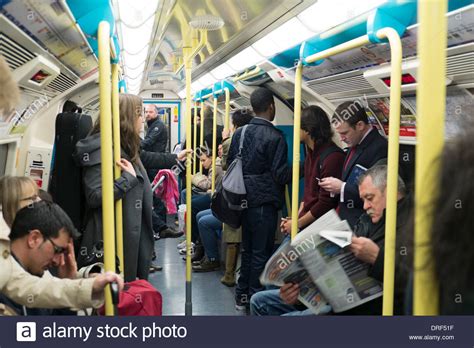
[{"x": 58, "y": 250}]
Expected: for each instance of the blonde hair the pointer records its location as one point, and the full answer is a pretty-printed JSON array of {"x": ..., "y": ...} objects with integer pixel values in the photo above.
[
  {"x": 12, "y": 189},
  {"x": 9, "y": 93},
  {"x": 131, "y": 107}
]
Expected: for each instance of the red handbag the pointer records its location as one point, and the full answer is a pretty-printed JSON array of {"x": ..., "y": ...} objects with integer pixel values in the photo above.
[{"x": 138, "y": 298}]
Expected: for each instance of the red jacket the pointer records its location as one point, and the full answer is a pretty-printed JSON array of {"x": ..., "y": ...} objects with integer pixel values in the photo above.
[{"x": 315, "y": 199}]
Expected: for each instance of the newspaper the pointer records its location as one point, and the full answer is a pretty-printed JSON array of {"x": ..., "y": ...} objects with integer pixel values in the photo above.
[{"x": 327, "y": 274}]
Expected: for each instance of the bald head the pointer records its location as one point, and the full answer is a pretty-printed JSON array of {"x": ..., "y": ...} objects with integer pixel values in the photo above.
[{"x": 150, "y": 112}]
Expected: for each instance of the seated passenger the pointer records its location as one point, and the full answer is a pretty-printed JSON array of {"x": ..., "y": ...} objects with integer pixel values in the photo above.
[
  {"x": 323, "y": 159},
  {"x": 41, "y": 238},
  {"x": 210, "y": 230},
  {"x": 201, "y": 201},
  {"x": 368, "y": 246}
]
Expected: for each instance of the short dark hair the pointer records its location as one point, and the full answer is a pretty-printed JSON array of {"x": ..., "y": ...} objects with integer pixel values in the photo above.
[
  {"x": 47, "y": 217},
  {"x": 70, "y": 106},
  {"x": 351, "y": 112},
  {"x": 316, "y": 122},
  {"x": 204, "y": 150},
  {"x": 241, "y": 117},
  {"x": 261, "y": 99}
]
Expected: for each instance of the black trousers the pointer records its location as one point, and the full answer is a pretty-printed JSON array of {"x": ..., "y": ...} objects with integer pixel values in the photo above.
[{"x": 258, "y": 238}]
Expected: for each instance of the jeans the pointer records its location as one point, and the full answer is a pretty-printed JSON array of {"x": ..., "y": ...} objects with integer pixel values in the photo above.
[
  {"x": 210, "y": 229},
  {"x": 258, "y": 238},
  {"x": 198, "y": 203},
  {"x": 268, "y": 302}
]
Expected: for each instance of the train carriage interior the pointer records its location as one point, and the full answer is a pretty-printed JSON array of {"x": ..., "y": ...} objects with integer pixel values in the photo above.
[{"x": 207, "y": 58}]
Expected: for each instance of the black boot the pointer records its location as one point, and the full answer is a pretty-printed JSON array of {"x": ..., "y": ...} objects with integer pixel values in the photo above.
[{"x": 198, "y": 253}]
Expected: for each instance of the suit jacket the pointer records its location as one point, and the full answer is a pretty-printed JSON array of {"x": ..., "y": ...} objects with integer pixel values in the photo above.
[{"x": 371, "y": 150}]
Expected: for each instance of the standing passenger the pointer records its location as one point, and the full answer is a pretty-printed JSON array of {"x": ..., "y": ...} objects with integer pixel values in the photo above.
[
  {"x": 133, "y": 187},
  {"x": 323, "y": 159},
  {"x": 366, "y": 148},
  {"x": 265, "y": 171}
]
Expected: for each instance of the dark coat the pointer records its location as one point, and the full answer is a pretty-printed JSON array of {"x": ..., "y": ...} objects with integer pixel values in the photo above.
[
  {"x": 265, "y": 162},
  {"x": 156, "y": 138},
  {"x": 376, "y": 232},
  {"x": 372, "y": 149},
  {"x": 137, "y": 205}
]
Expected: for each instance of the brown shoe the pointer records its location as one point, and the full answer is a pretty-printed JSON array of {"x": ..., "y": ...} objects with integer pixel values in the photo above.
[
  {"x": 170, "y": 233},
  {"x": 207, "y": 266}
]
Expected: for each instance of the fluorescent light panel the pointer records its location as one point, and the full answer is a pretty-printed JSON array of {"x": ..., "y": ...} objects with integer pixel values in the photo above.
[
  {"x": 135, "y": 26},
  {"x": 207, "y": 80},
  {"x": 248, "y": 57},
  {"x": 326, "y": 14},
  {"x": 222, "y": 71}
]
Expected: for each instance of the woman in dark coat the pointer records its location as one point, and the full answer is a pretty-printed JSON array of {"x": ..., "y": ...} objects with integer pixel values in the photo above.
[{"x": 133, "y": 187}]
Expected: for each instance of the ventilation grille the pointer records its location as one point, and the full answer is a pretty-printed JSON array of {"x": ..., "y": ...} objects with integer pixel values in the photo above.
[
  {"x": 460, "y": 67},
  {"x": 357, "y": 84},
  {"x": 62, "y": 83},
  {"x": 15, "y": 54},
  {"x": 460, "y": 64},
  {"x": 242, "y": 101}
]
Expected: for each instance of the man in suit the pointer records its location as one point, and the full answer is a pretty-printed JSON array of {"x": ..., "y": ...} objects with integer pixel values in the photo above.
[{"x": 366, "y": 148}]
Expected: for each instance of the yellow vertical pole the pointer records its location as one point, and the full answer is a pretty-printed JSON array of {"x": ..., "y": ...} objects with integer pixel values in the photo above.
[
  {"x": 188, "y": 71},
  {"x": 392, "y": 174},
  {"x": 431, "y": 101},
  {"x": 214, "y": 146},
  {"x": 117, "y": 170},
  {"x": 287, "y": 199},
  {"x": 201, "y": 135},
  {"x": 195, "y": 137},
  {"x": 105, "y": 98},
  {"x": 296, "y": 150},
  {"x": 227, "y": 109}
]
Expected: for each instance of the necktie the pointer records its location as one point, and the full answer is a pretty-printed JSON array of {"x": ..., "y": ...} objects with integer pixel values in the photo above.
[{"x": 349, "y": 157}]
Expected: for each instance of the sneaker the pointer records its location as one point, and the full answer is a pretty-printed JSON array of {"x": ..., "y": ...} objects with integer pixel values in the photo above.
[
  {"x": 170, "y": 233},
  {"x": 195, "y": 263},
  {"x": 207, "y": 265},
  {"x": 242, "y": 302},
  {"x": 183, "y": 251},
  {"x": 155, "y": 268},
  {"x": 182, "y": 245}
]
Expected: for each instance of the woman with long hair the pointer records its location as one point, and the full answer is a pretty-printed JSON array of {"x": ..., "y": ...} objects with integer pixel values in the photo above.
[{"x": 133, "y": 187}]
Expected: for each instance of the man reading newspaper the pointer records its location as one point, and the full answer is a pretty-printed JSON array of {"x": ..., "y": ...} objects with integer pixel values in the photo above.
[{"x": 317, "y": 273}]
